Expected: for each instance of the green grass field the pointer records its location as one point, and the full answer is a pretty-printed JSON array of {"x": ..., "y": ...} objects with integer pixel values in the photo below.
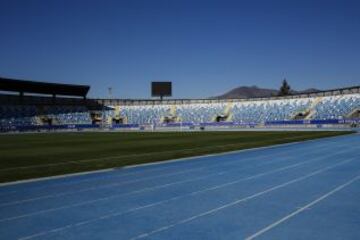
[{"x": 25, "y": 156}]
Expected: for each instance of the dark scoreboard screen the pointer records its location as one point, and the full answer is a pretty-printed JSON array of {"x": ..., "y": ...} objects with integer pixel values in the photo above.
[{"x": 160, "y": 89}]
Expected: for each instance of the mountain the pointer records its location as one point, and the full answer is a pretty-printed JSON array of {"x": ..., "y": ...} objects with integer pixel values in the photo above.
[
  {"x": 309, "y": 90},
  {"x": 255, "y": 92}
]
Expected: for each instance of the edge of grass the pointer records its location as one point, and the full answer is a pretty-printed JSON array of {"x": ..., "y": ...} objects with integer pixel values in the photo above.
[{"x": 216, "y": 151}]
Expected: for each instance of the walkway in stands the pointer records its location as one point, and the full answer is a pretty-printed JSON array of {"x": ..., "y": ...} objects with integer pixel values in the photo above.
[{"x": 306, "y": 190}]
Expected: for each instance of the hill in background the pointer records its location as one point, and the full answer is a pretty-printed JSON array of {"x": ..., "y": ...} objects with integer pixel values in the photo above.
[{"x": 254, "y": 92}]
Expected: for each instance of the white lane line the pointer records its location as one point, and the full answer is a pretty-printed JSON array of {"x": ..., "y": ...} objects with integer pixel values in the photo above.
[
  {"x": 116, "y": 214},
  {"x": 108, "y": 198},
  {"x": 171, "y": 151},
  {"x": 214, "y": 210},
  {"x": 64, "y": 176},
  {"x": 111, "y": 185},
  {"x": 97, "y": 187},
  {"x": 202, "y": 167},
  {"x": 116, "y": 175},
  {"x": 150, "y": 188},
  {"x": 278, "y": 146},
  {"x": 229, "y": 162},
  {"x": 168, "y": 185},
  {"x": 306, "y": 207}
]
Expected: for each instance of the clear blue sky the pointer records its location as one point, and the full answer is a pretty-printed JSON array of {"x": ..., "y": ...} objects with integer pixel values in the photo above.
[{"x": 204, "y": 47}]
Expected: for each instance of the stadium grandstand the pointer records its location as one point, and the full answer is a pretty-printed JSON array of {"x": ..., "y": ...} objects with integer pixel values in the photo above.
[
  {"x": 179, "y": 120},
  {"x": 30, "y": 105}
]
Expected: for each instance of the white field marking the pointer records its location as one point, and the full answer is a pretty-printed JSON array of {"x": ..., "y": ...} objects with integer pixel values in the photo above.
[
  {"x": 167, "y": 185},
  {"x": 119, "y": 157},
  {"x": 162, "y": 152},
  {"x": 59, "y": 229},
  {"x": 168, "y": 161},
  {"x": 122, "y": 175},
  {"x": 154, "y": 163},
  {"x": 129, "y": 182},
  {"x": 228, "y": 162},
  {"x": 214, "y": 210},
  {"x": 18, "y": 182},
  {"x": 306, "y": 207},
  {"x": 105, "y": 186}
]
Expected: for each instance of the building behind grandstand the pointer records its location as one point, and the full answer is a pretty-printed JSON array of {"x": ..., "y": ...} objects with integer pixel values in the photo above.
[{"x": 28, "y": 105}]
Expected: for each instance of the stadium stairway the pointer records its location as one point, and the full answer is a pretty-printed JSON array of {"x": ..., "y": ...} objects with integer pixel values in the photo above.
[
  {"x": 312, "y": 108},
  {"x": 228, "y": 111},
  {"x": 354, "y": 114},
  {"x": 226, "y": 114}
]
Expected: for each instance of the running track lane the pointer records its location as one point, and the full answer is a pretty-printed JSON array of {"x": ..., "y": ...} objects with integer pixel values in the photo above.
[{"x": 308, "y": 189}]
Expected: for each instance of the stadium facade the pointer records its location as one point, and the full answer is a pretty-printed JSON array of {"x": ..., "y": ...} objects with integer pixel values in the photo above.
[{"x": 28, "y": 105}]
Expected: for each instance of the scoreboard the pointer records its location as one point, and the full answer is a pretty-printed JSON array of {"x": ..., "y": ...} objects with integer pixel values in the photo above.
[{"x": 161, "y": 89}]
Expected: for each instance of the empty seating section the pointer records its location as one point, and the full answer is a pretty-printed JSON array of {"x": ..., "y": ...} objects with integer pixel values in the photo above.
[
  {"x": 337, "y": 107},
  {"x": 242, "y": 111},
  {"x": 147, "y": 114},
  {"x": 271, "y": 110},
  {"x": 17, "y": 115},
  {"x": 14, "y": 115},
  {"x": 199, "y": 113},
  {"x": 190, "y": 113},
  {"x": 256, "y": 111},
  {"x": 68, "y": 114}
]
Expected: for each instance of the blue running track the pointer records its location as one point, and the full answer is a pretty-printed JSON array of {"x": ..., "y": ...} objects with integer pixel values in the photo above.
[{"x": 308, "y": 190}]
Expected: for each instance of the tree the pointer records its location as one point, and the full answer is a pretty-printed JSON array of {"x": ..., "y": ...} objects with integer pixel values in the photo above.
[{"x": 284, "y": 89}]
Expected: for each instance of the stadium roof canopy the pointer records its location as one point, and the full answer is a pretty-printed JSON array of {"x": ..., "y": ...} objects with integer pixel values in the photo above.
[{"x": 25, "y": 86}]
